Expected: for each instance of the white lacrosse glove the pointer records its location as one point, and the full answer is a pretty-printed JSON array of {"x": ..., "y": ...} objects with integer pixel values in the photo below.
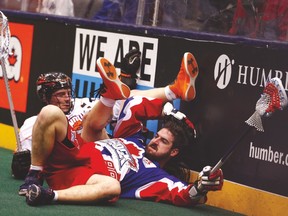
[
  {"x": 206, "y": 182},
  {"x": 169, "y": 109}
]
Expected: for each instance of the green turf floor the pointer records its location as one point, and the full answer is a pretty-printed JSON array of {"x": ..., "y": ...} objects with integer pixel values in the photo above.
[{"x": 11, "y": 204}]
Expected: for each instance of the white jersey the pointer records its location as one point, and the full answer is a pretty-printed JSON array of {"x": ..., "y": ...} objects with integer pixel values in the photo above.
[
  {"x": 25, "y": 133},
  {"x": 80, "y": 106}
]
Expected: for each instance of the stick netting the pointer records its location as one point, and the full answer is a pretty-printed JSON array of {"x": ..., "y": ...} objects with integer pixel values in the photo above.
[
  {"x": 4, "y": 36},
  {"x": 273, "y": 98}
]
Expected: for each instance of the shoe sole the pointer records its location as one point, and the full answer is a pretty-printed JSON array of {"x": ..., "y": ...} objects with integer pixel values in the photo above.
[
  {"x": 109, "y": 75},
  {"x": 192, "y": 70}
]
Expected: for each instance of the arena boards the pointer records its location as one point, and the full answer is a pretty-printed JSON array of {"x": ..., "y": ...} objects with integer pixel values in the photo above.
[{"x": 232, "y": 76}]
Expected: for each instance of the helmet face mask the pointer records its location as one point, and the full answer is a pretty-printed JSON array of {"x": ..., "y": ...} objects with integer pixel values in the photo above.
[{"x": 48, "y": 83}]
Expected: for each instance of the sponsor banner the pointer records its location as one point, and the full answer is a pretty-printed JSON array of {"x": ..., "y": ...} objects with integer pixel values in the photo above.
[
  {"x": 262, "y": 157},
  {"x": 92, "y": 44},
  {"x": 231, "y": 81},
  {"x": 245, "y": 74},
  {"x": 18, "y": 66}
]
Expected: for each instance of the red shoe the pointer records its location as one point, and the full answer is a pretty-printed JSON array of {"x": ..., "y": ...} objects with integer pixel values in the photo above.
[
  {"x": 113, "y": 87},
  {"x": 184, "y": 84}
]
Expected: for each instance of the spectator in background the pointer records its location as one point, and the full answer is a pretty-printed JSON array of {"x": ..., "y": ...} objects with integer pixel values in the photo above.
[
  {"x": 24, "y": 5},
  {"x": 216, "y": 16},
  {"x": 171, "y": 12},
  {"x": 78, "y": 8},
  {"x": 59, "y": 7},
  {"x": 263, "y": 19},
  {"x": 118, "y": 11},
  {"x": 86, "y": 8},
  {"x": 205, "y": 9}
]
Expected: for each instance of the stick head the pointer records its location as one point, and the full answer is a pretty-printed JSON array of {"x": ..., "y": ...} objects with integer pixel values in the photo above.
[
  {"x": 273, "y": 98},
  {"x": 4, "y": 36}
]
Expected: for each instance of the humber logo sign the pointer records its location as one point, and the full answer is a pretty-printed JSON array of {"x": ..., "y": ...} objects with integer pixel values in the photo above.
[
  {"x": 223, "y": 71},
  {"x": 249, "y": 75}
]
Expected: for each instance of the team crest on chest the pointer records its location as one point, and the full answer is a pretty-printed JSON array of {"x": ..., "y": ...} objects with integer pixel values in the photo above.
[{"x": 125, "y": 154}]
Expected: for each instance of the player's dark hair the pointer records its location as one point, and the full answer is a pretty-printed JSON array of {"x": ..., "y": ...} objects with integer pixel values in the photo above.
[
  {"x": 184, "y": 135},
  {"x": 183, "y": 132}
]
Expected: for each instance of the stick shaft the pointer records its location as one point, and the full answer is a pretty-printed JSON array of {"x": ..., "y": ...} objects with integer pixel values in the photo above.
[
  {"x": 11, "y": 105},
  {"x": 230, "y": 150}
]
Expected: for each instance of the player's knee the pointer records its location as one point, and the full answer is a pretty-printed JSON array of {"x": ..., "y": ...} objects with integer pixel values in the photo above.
[
  {"x": 93, "y": 124},
  {"x": 113, "y": 190},
  {"x": 109, "y": 187},
  {"x": 50, "y": 113},
  {"x": 113, "y": 187}
]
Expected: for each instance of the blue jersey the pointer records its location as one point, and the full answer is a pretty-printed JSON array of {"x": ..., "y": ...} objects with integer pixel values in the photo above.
[{"x": 140, "y": 177}]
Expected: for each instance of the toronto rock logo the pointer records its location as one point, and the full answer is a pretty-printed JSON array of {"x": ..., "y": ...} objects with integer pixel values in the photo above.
[
  {"x": 14, "y": 60},
  {"x": 124, "y": 154}
]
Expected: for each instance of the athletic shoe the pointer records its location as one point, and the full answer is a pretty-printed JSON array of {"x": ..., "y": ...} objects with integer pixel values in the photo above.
[
  {"x": 184, "y": 85},
  {"x": 37, "y": 195},
  {"x": 113, "y": 87},
  {"x": 33, "y": 177}
]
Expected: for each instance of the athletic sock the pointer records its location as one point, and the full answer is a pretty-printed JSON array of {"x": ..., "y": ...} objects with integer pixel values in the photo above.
[
  {"x": 169, "y": 94},
  {"x": 107, "y": 101},
  {"x": 55, "y": 196},
  {"x": 38, "y": 168}
]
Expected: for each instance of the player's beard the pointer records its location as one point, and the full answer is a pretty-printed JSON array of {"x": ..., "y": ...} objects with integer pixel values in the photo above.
[{"x": 154, "y": 155}]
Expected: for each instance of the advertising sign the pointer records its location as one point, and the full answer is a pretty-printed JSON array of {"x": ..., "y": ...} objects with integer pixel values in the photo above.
[{"x": 18, "y": 66}]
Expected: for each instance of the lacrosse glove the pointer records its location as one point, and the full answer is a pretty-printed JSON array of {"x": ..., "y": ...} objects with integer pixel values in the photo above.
[
  {"x": 21, "y": 162},
  {"x": 206, "y": 182},
  {"x": 130, "y": 65}
]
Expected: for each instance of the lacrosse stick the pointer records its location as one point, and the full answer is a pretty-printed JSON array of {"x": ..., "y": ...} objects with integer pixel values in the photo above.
[
  {"x": 4, "y": 50},
  {"x": 21, "y": 159},
  {"x": 273, "y": 98}
]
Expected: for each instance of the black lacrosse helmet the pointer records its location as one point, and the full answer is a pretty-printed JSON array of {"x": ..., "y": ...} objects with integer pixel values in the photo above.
[{"x": 50, "y": 82}]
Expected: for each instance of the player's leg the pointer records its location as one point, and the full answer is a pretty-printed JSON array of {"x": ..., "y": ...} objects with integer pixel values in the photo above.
[
  {"x": 98, "y": 188},
  {"x": 154, "y": 93},
  {"x": 113, "y": 89},
  {"x": 183, "y": 87},
  {"x": 50, "y": 126}
]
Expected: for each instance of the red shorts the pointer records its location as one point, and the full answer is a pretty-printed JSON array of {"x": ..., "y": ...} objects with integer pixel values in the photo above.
[{"x": 68, "y": 167}]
